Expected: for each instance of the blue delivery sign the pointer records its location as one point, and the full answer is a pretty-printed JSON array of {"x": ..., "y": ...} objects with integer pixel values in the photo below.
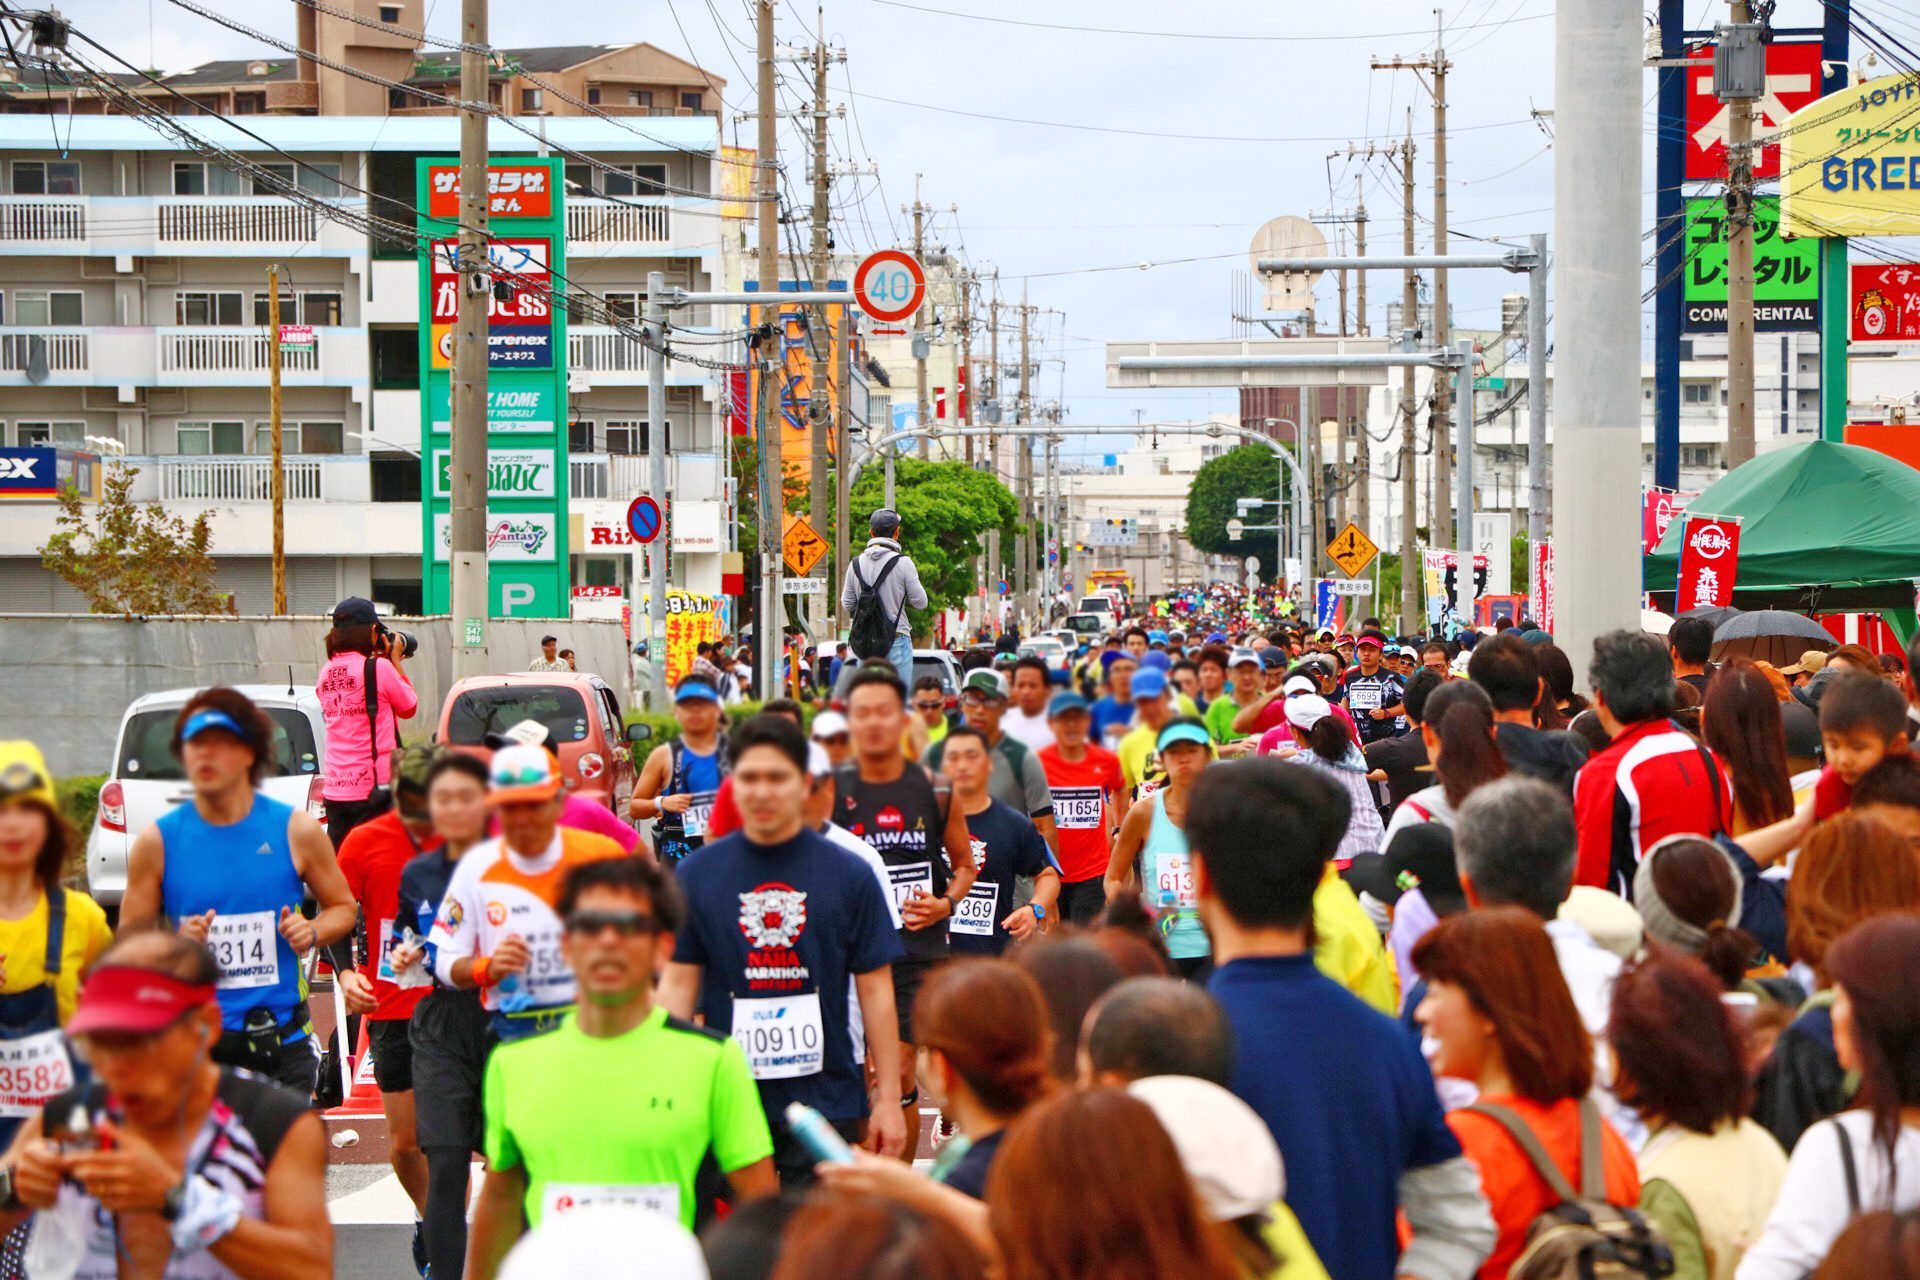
[{"x": 28, "y": 473}]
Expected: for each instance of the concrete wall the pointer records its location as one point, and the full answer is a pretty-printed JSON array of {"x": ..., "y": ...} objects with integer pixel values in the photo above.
[{"x": 68, "y": 679}]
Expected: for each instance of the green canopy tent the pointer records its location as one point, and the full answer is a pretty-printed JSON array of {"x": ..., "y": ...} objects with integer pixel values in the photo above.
[{"x": 1823, "y": 527}]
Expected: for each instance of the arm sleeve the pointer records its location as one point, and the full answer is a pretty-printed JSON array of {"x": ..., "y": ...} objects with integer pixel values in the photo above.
[
  {"x": 500, "y": 1149},
  {"x": 916, "y": 595},
  {"x": 740, "y": 1134},
  {"x": 393, "y": 689},
  {"x": 456, "y": 930},
  {"x": 1034, "y": 782},
  {"x": 1452, "y": 1226},
  {"x": 1593, "y": 821},
  {"x": 849, "y": 593}
]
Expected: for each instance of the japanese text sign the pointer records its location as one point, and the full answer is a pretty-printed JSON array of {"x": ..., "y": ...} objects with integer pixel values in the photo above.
[{"x": 1709, "y": 563}]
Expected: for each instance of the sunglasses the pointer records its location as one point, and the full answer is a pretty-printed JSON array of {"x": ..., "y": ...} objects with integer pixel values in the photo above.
[
  {"x": 628, "y": 924},
  {"x": 930, "y": 706},
  {"x": 20, "y": 778}
]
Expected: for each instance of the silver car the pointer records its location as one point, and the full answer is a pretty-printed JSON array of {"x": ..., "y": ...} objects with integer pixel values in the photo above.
[{"x": 148, "y": 780}]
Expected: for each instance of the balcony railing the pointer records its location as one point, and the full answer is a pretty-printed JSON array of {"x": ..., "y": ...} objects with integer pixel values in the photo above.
[
  {"x": 617, "y": 476},
  {"x": 55, "y": 350},
  {"x": 229, "y": 351},
  {"x": 43, "y": 218},
  {"x": 215, "y": 479},
  {"x": 605, "y": 351},
  {"x": 233, "y": 219},
  {"x": 613, "y": 222}
]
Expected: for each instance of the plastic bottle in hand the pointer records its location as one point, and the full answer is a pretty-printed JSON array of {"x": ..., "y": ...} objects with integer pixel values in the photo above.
[{"x": 514, "y": 996}]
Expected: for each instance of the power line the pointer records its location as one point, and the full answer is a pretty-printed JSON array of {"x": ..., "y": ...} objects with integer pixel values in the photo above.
[{"x": 1176, "y": 35}]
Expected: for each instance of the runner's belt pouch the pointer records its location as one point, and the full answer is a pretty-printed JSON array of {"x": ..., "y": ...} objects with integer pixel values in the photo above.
[{"x": 257, "y": 1045}]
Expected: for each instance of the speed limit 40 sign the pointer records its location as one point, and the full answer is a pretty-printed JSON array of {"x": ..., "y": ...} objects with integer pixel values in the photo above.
[{"x": 889, "y": 285}]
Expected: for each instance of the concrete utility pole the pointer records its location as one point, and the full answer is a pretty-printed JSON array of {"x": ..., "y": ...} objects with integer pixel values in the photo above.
[
  {"x": 1411, "y": 575},
  {"x": 1023, "y": 485},
  {"x": 1740, "y": 442},
  {"x": 1596, "y": 188},
  {"x": 467, "y": 482},
  {"x": 995, "y": 562},
  {"x": 657, "y": 440},
  {"x": 1363, "y": 444},
  {"x": 1440, "y": 515},
  {"x": 923, "y": 411},
  {"x": 276, "y": 477},
  {"x": 820, "y": 395},
  {"x": 1537, "y": 493},
  {"x": 963, "y": 381},
  {"x": 767, "y": 404}
]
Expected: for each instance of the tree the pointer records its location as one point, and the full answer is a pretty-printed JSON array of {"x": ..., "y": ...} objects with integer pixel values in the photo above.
[
  {"x": 133, "y": 557},
  {"x": 1249, "y": 471},
  {"x": 944, "y": 508}
]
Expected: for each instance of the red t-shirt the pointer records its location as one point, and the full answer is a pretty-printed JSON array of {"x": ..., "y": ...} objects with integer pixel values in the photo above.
[
  {"x": 1274, "y": 716},
  {"x": 725, "y": 818},
  {"x": 1080, "y": 789},
  {"x": 1831, "y": 794},
  {"x": 371, "y": 858}
]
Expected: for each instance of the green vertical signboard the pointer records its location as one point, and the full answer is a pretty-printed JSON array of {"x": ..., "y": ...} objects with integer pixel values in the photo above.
[
  {"x": 1786, "y": 273},
  {"x": 527, "y": 555}
]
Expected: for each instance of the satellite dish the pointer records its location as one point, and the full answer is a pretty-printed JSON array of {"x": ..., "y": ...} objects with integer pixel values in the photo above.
[{"x": 1287, "y": 237}]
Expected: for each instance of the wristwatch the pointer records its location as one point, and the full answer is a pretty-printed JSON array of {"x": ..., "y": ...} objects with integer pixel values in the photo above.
[
  {"x": 8, "y": 1200},
  {"x": 1039, "y": 910}
]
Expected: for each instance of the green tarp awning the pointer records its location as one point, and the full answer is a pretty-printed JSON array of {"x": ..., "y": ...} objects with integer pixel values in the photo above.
[{"x": 1815, "y": 514}]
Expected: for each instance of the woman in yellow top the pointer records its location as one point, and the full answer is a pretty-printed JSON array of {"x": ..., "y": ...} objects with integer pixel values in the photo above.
[{"x": 48, "y": 937}]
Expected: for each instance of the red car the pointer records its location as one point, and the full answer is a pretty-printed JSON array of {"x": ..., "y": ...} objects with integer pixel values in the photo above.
[{"x": 583, "y": 722}]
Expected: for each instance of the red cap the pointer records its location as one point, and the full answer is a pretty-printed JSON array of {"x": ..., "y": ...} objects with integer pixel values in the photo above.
[{"x": 130, "y": 999}]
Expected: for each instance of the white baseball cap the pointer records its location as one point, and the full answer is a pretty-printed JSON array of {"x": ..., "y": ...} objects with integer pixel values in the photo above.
[
  {"x": 828, "y": 724},
  {"x": 1297, "y": 685},
  {"x": 819, "y": 763},
  {"x": 1227, "y": 1150},
  {"x": 1307, "y": 710}
]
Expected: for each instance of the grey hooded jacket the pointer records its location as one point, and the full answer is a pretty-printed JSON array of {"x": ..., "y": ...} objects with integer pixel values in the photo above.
[{"x": 901, "y": 589}]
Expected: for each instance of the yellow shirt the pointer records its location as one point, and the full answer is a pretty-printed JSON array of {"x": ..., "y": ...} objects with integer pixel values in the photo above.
[
  {"x": 1347, "y": 947},
  {"x": 1288, "y": 1240},
  {"x": 24, "y": 944}
]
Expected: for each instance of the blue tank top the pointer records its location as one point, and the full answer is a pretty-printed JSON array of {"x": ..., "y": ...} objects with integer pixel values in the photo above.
[
  {"x": 244, "y": 873},
  {"x": 1168, "y": 873}
]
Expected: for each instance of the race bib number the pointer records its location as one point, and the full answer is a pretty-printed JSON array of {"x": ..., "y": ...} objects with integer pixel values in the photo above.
[
  {"x": 974, "y": 914},
  {"x": 549, "y": 979},
  {"x": 558, "y": 1198},
  {"x": 1363, "y": 697},
  {"x": 782, "y": 1036},
  {"x": 908, "y": 879},
  {"x": 33, "y": 1070},
  {"x": 1077, "y": 808},
  {"x": 1173, "y": 875},
  {"x": 699, "y": 814},
  {"x": 247, "y": 948}
]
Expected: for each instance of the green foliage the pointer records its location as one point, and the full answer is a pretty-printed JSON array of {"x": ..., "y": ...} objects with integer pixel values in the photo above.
[
  {"x": 667, "y": 729},
  {"x": 1246, "y": 472},
  {"x": 132, "y": 557},
  {"x": 79, "y": 801},
  {"x": 944, "y": 508}
]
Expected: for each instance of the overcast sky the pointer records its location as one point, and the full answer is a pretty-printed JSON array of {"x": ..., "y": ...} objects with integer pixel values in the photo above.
[{"x": 1193, "y": 123}]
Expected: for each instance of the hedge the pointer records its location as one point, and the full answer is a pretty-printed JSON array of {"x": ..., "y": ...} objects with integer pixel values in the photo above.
[
  {"x": 667, "y": 729},
  {"x": 79, "y": 800}
]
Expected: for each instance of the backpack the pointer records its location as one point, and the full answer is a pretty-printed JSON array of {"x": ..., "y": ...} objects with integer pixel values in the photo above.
[
  {"x": 870, "y": 632},
  {"x": 1583, "y": 1237}
]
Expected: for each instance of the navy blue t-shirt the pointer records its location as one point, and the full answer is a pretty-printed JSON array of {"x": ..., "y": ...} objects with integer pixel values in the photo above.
[
  {"x": 777, "y": 930},
  {"x": 1348, "y": 1097},
  {"x": 1005, "y": 844}
]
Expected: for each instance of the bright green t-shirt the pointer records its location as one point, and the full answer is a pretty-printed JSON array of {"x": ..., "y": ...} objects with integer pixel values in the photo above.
[
  {"x": 1220, "y": 714},
  {"x": 624, "y": 1120}
]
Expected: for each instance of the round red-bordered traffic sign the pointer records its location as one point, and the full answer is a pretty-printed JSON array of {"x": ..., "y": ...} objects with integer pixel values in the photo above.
[
  {"x": 890, "y": 285},
  {"x": 643, "y": 518}
]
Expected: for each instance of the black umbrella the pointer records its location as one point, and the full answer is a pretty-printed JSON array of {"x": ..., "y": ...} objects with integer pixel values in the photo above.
[
  {"x": 1770, "y": 635},
  {"x": 1713, "y": 614}
]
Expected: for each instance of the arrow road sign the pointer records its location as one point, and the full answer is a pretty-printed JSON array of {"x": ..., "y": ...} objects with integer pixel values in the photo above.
[{"x": 1352, "y": 550}]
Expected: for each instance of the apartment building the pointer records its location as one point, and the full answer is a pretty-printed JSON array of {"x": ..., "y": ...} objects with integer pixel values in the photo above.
[{"x": 133, "y": 316}]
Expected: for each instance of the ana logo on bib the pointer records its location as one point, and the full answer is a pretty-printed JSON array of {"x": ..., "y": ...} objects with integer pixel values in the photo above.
[{"x": 774, "y": 915}]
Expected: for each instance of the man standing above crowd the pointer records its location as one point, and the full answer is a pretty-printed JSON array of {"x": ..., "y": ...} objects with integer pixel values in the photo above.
[
  {"x": 1089, "y": 798},
  {"x": 890, "y": 574}
]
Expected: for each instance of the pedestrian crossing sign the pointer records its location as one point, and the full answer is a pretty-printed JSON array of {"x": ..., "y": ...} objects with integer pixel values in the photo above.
[{"x": 1352, "y": 550}]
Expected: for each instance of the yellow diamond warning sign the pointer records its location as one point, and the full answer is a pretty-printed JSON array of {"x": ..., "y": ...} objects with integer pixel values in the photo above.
[
  {"x": 1352, "y": 550},
  {"x": 801, "y": 547}
]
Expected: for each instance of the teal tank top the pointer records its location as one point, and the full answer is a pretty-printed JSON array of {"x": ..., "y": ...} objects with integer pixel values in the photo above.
[
  {"x": 1168, "y": 875},
  {"x": 244, "y": 874}
]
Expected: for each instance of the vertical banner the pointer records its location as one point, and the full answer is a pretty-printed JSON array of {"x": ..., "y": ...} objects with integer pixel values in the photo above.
[
  {"x": 691, "y": 619},
  {"x": 1659, "y": 508},
  {"x": 529, "y": 566},
  {"x": 1709, "y": 563},
  {"x": 1540, "y": 588},
  {"x": 1329, "y": 607},
  {"x": 809, "y": 354}
]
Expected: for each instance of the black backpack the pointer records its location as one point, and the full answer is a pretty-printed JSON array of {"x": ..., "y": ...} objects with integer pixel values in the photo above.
[{"x": 871, "y": 631}]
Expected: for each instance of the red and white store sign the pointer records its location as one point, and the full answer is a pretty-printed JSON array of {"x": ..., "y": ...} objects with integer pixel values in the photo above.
[
  {"x": 1659, "y": 508},
  {"x": 1709, "y": 563},
  {"x": 598, "y": 593},
  {"x": 513, "y": 191},
  {"x": 1540, "y": 589}
]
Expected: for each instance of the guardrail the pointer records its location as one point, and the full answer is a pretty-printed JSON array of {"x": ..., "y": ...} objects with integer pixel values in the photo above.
[{"x": 212, "y": 479}]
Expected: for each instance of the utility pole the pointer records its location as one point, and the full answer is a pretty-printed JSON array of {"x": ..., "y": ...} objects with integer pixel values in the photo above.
[
  {"x": 963, "y": 383},
  {"x": 1411, "y": 575},
  {"x": 657, "y": 441},
  {"x": 1362, "y": 445},
  {"x": 923, "y": 414},
  {"x": 1023, "y": 482},
  {"x": 826, "y": 394},
  {"x": 1740, "y": 440},
  {"x": 989, "y": 604},
  {"x": 467, "y": 482},
  {"x": 1441, "y": 514},
  {"x": 767, "y": 404},
  {"x": 276, "y": 477}
]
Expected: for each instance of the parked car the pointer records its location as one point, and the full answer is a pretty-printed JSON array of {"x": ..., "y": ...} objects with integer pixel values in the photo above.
[
  {"x": 148, "y": 781},
  {"x": 1090, "y": 625},
  {"x": 582, "y": 715},
  {"x": 937, "y": 663},
  {"x": 1049, "y": 649}
]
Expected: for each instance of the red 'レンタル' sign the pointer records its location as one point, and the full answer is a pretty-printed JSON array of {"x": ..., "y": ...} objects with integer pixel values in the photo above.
[
  {"x": 1709, "y": 563},
  {"x": 513, "y": 191},
  {"x": 1885, "y": 302}
]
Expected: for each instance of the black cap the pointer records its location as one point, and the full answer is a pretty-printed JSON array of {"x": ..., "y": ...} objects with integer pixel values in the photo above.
[
  {"x": 1423, "y": 854},
  {"x": 549, "y": 639},
  {"x": 355, "y": 612},
  {"x": 884, "y": 521}
]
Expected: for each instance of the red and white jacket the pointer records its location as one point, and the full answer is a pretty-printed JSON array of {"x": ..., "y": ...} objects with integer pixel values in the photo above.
[{"x": 1651, "y": 782}]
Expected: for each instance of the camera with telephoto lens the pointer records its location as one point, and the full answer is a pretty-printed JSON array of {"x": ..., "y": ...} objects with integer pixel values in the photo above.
[{"x": 396, "y": 641}]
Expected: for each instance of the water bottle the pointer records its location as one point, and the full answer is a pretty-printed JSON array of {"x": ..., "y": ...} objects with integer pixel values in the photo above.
[
  {"x": 58, "y": 1242},
  {"x": 822, "y": 1141},
  {"x": 514, "y": 996}
]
